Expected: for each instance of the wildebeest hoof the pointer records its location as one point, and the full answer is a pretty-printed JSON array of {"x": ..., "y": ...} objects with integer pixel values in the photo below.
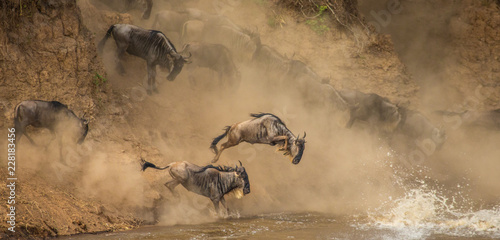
[
  {"x": 149, "y": 92},
  {"x": 155, "y": 90}
]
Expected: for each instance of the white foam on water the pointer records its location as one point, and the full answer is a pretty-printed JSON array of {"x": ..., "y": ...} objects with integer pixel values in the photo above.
[{"x": 423, "y": 212}]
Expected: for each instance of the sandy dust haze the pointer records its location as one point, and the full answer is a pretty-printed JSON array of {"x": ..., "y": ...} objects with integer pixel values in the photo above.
[{"x": 342, "y": 172}]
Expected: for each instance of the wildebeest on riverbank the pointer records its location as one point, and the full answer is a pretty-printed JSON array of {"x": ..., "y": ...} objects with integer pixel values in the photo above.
[
  {"x": 210, "y": 181},
  {"x": 52, "y": 115},
  {"x": 150, "y": 45}
]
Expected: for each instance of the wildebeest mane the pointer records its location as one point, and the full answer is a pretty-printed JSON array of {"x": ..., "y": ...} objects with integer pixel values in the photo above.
[
  {"x": 58, "y": 105},
  {"x": 219, "y": 168},
  {"x": 157, "y": 42},
  {"x": 258, "y": 115},
  {"x": 167, "y": 43}
]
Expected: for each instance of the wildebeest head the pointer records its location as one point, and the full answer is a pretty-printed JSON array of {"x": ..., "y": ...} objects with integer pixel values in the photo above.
[
  {"x": 179, "y": 62},
  {"x": 242, "y": 179},
  {"x": 390, "y": 114},
  {"x": 297, "y": 149},
  {"x": 83, "y": 129}
]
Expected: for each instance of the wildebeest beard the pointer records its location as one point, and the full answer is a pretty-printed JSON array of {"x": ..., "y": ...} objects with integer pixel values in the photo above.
[{"x": 297, "y": 146}]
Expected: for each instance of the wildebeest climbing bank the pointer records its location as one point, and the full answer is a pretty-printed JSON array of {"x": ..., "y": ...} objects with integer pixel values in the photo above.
[{"x": 279, "y": 119}]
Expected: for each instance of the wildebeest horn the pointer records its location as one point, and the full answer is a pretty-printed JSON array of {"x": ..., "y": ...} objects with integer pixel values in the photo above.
[
  {"x": 304, "y": 134},
  {"x": 241, "y": 165},
  {"x": 298, "y": 136},
  {"x": 186, "y": 58}
]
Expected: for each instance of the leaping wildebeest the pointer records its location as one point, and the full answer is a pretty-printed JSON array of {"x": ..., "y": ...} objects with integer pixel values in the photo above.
[
  {"x": 264, "y": 128},
  {"x": 150, "y": 45},
  {"x": 210, "y": 181},
  {"x": 52, "y": 115}
]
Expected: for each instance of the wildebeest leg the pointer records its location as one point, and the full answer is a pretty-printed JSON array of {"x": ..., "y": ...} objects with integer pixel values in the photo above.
[
  {"x": 281, "y": 138},
  {"x": 20, "y": 127},
  {"x": 190, "y": 68},
  {"x": 28, "y": 137},
  {"x": 19, "y": 134},
  {"x": 225, "y": 145},
  {"x": 350, "y": 122},
  {"x": 215, "y": 201},
  {"x": 171, "y": 185},
  {"x": 120, "y": 52},
  {"x": 151, "y": 79},
  {"x": 59, "y": 140},
  {"x": 223, "y": 202}
]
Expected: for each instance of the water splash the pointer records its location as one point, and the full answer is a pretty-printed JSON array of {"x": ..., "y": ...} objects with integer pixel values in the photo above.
[{"x": 423, "y": 212}]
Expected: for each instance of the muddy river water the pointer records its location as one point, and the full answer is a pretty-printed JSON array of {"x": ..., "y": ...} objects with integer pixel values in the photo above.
[{"x": 318, "y": 226}]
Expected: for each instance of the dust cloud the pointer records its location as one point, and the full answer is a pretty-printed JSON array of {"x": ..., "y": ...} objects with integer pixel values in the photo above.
[{"x": 343, "y": 171}]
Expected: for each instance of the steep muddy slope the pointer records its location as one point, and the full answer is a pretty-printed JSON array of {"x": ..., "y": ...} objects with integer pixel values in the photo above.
[
  {"x": 47, "y": 53},
  {"x": 449, "y": 47}
]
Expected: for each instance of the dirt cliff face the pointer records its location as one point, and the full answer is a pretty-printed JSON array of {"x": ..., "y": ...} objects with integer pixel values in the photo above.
[
  {"x": 47, "y": 54},
  {"x": 448, "y": 47}
]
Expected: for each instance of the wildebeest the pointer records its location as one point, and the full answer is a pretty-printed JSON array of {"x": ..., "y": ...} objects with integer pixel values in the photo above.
[
  {"x": 150, "y": 45},
  {"x": 147, "y": 10},
  {"x": 304, "y": 79},
  {"x": 52, "y": 115},
  {"x": 172, "y": 22},
  {"x": 192, "y": 31},
  {"x": 264, "y": 128},
  {"x": 210, "y": 181},
  {"x": 379, "y": 112},
  {"x": 415, "y": 129},
  {"x": 215, "y": 57},
  {"x": 488, "y": 119},
  {"x": 240, "y": 41},
  {"x": 271, "y": 62}
]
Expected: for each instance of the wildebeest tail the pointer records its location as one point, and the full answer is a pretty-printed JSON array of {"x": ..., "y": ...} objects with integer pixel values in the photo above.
[
  {"x": 145, "y": 164},
  {"x": 100, "y": 46},
  {"x": 17, "y": 123},
  {"x": 217, "y": 139}
]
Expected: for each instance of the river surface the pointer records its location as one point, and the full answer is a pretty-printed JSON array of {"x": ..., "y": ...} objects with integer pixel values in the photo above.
[{"x": 312, "y": 226}]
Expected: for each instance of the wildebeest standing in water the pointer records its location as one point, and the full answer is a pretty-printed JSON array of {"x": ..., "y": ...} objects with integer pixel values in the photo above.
[
  {"x": 52, "y": 115},
  {"x": 264, "y": 128},
  {"x": 150, "y": 45},
  {"x": 215, "y": 57},
  {"x": 210, "y": 181}
]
